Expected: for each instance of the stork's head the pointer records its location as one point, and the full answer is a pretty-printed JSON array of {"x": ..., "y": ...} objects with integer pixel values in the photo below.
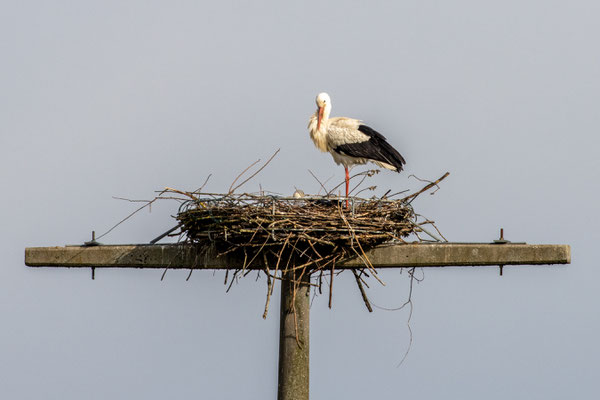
[{"x": 324, "y": 104}]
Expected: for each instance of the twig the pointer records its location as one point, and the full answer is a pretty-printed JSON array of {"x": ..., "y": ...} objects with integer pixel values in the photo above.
[
  {"x": 317, "y": 179},
  {"x": 254, "y": 174},
  {"x": 233, "y": 278},
  {"x": 362, "y": 291},
  {"x": 240, "y": 175},
  {"x": 432, "y": 184},
  {"x": 131, "y": 200},
  {"x": 397, "y": 193},
  {"x": 269, "y": 287},
  {"x": 367, "y": 188},
  {"x": 437, "y": 239},
  {"x": 130, "y": 215},
  {"x": 409, "y": 301},
  {"x": 358, "y": 184},
  {"x": 188, "y": 194},
  {"x": 331, "y": 283},
  {"x": 438, "y": 231},
  {"x": 204, "y": 184},
  {"x": 369, "y": 173}
]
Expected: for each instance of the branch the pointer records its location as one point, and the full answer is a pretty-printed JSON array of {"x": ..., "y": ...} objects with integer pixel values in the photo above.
[
  {"x": 432, "y": 184},
  {"x": 362, "y": 291},
  {"x": 253, "y": 175}
]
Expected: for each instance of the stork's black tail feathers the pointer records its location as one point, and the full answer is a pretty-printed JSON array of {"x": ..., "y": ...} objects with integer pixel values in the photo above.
[{"x": 376, "y": 148}]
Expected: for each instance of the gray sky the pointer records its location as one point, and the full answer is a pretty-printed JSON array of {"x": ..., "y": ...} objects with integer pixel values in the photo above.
[{"x": 123, "y": 98}]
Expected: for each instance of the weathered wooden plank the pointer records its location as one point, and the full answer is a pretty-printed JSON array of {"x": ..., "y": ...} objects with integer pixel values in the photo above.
[
  {"x": 466, "y": 254},
  {"x": 403, "y": 255}
]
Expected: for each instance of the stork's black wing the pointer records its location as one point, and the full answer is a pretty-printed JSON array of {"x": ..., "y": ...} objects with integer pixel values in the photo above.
[{"x": 376, "y": 148}]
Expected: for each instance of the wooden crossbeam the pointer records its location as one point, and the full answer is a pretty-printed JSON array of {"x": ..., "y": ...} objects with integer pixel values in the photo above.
[
  {"x": 185, "y": 256},
  {"x": 294, "y": 311}
]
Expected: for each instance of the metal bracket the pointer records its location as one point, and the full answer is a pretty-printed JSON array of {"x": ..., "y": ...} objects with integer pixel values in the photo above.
[
  {"x": 92, "y": 242},
  {"x": 501, "y": 241}
]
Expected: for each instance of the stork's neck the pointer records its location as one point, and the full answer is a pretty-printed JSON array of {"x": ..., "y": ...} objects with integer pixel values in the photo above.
[
  {"x": 319, "y": 136},
  {"x": 325, "y": 119}
]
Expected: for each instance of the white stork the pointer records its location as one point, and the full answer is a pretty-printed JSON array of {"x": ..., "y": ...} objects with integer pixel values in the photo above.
[{"x": 349, "y": 141}]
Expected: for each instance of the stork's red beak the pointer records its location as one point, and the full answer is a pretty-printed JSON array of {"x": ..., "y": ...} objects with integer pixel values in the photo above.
[{"x": 321, "y": 110}]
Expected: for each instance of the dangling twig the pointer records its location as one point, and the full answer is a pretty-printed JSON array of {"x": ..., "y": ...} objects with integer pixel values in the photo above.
[{"x": 362, "y": 291}]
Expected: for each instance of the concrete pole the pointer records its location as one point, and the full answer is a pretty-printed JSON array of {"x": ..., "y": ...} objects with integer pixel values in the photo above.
[{"x": 294, "y": 337}]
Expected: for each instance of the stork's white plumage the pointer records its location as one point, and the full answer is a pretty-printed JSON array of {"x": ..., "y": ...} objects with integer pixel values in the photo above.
[{"x": 349, "y": 141}]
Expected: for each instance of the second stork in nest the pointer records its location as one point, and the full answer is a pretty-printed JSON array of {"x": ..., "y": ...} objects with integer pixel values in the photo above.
[{"x": 349, "y": 141}]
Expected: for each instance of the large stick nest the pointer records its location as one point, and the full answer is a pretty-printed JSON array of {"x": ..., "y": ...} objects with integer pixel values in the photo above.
[
  {"x": 233, "y": 222},
  {"x": 290, "y": 237},
  {"x": 259, "y": 221}
]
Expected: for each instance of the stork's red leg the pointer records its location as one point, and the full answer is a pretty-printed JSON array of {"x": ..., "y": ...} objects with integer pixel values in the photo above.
[{"x": 347, "y": 185}]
